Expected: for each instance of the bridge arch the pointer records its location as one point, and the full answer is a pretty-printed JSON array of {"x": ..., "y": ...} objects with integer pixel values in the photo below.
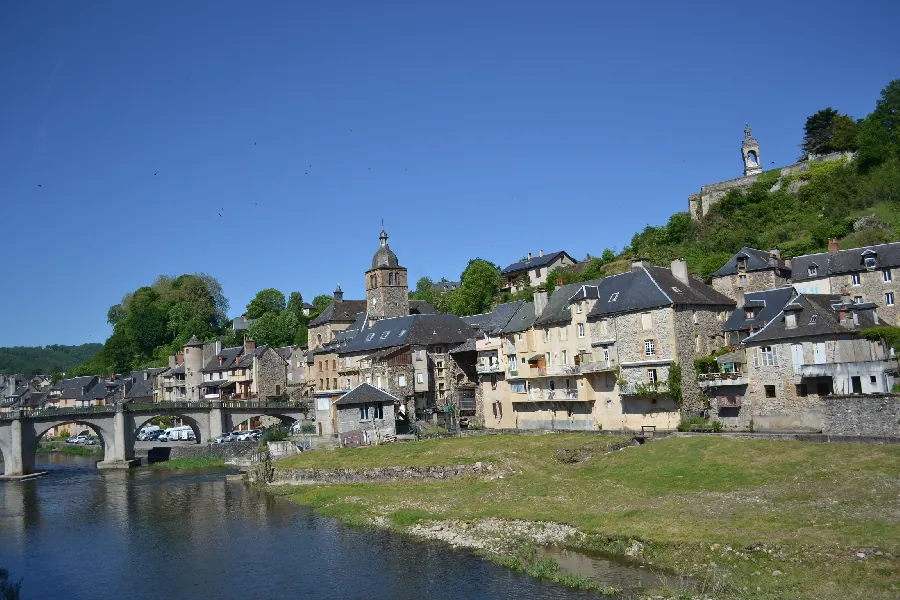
[
  {"x": 200, "y": 432},
  {"x": 233, "y": 419}
]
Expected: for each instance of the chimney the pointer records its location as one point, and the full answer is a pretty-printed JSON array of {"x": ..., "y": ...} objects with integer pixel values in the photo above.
[
  {"x": 680, "y": 272},
  {"x": 220, "y": 360},
  {"x": 338, "y": 294},
  {"x": 249, "y": 345},
  {"x": 529, "y": 256},
  {"x": 739, "y": 297},
  {"x": 637, "y": 264},
  {"x": 774, "y": 257},
  {"x": 833, "y": 246},
  {"x": 179, "y": 357},
  {"x": 542, "y": 253},
  {"x": 845, "y": 296},
  {"x": 540, "y": 301}
]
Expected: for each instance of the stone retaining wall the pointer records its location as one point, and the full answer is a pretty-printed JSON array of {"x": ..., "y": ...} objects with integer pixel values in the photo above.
[
  {"x": 872, "y": 415},
  {"x": 225, "y": 451},
  {"x": 379, "y": 474}
]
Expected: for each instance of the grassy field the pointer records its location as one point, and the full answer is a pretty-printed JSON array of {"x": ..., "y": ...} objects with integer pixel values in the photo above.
[
  {"x": 743, "y": 518},
  {"x": 204, "y": 461}
]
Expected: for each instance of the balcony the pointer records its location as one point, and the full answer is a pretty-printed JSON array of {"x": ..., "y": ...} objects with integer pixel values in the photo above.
[
  {"x": 601, "y": 338},
  {"x": 643, "y": 390},
  {"x": 554, "y": 371},
  {"x": 488, "y": 368},
  {"x": 347, "y": 369},
  {"x": 708, "y": 380},
  {"x": 599, "y": 366},
  {"x": 566, "y": 394},
  {"x": 848, "y": 369}
]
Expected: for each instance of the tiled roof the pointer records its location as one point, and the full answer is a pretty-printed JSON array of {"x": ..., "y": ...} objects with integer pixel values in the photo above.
[
  {"x": 365, "y": 393},
  {"x": 534, "y": 262},
  {"x": 845, "y": 262},
  {"x": 826, "y": 309},
  {"x": 652, "y": 287},
  {"x": 757, "y": 260},
  {"x": 522, "y": 320},
  {"x": 766, "y": 306}
]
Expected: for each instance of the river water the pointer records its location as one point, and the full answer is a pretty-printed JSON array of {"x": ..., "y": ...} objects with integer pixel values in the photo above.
[{"x": 82, "y": 533}]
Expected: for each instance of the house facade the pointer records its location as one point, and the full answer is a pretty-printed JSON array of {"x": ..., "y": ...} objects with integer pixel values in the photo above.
[
  {"x": 533, "y": 270},
  {"x": 751, "y": 270}
]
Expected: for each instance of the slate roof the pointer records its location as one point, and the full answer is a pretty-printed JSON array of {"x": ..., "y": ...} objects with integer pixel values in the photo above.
[
  {"x": 651, "y": 287},
  {"x": 105, "y": 389},
  {"x": 445, "y": 286},
  {"x": 365, "y": 393},
  {"x": 194, "y": 341},
  {"x": 494, "y": 321},
  {"x": 177, "y": 370},
  {"x": 766, "y": 306},
  {"x": 421, "y": 307},
  {"x": 140, "y": 389},
  {"x": 466, "y": 346},
  {"x": 522, "y": 320},
  {"x": 557, "y": 309},
  {"x": 536, "y": 261},
  {"x": 228, "y": 357},
  {"x": 247, "y": 359},
  {"x": 72, "y": 382},
  {"x": 757, "y": 260},
  {"x": 826, "y": 308},
  {"x": 345, "y": 310},
  {"x": 410, "y": 330},
  {"x": 844, "y": 262}
]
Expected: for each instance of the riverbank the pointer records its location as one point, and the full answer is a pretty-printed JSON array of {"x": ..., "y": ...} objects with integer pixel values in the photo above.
[
  {"x": 202, "y": 461},
  {"x": 740, "y": 518}
]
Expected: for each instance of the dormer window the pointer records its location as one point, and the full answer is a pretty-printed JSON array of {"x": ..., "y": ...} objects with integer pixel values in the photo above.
[
  {"x": 614, "y": 297},
  {"x": 790, "y": 320},
  {"x": 812, "y": 271},
  {"x": 870, "y": 262},
  {"x": 748, "y": 313},
  {"x": 370, "y": 337},
  {"x": 742, "y": 263},
  {"x": 385, "y": 335},
  {"x": 813, "y": 319}
]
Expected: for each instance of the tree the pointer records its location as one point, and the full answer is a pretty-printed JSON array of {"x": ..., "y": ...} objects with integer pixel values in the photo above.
[
  {"x": 608, "y": 256},
  {"x": 295, "y": 306},
  {"x": 266, "y": 301},
  {"x": 828, "y": 131},
  {"x": 479, "y": 285},
  {"x": 879, "y": 133},
  {"x": 321, "y": 302},
  {"x": 274, "y": 329},
  {"x": 424, "y": 291}
]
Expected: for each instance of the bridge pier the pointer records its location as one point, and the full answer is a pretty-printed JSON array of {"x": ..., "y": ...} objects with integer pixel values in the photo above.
[
  {"x": 215, "y": 421},
  {"x": 118, "y": 453},
  {"x": 18, "y": 455}
]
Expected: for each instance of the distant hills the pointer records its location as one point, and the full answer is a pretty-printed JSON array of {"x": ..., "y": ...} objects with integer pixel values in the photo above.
[{"x": 34, "y": 360}]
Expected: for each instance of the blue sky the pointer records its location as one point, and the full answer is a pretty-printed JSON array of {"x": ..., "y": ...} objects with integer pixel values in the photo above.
[{"x": 473, "y": 128}]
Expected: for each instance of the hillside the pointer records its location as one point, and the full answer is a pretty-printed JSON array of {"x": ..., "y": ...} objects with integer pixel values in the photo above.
[{"x": 34, "y": 360}]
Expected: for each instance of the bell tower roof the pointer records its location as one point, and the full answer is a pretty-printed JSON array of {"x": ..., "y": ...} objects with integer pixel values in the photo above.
[{"x": 384, "y": 257}]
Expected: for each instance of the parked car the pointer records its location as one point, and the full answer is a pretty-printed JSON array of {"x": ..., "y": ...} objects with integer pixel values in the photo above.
[
  {"x": 225, "y": 437},
  {"x": 242, "y": 436},
  {"x": 162, "y": 437},
  {"x": 256, "y": 434},
  {"x": 78, "y": 439},
  {"x": 92, "y": 441},
  {"x": 153, "y": 435}
]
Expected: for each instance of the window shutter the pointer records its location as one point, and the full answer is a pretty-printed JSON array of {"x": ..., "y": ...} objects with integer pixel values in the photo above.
[
  {"x": 775, "y": 355},
  {"x": 756, "y": 357}
]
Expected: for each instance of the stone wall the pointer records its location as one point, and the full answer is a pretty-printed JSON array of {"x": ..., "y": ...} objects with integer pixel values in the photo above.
[
  {"x": 875, "y": 416},
  {"x": 379, "y": 474},
  {"x": 349, "y": 420},
  {"x": 226, "y": 451},
  {"x": 708, "y": 327},
  {"x": 270, "y": 374},
  {"x": 756, "y": 281},
  {"x": 872, "y": 288}
]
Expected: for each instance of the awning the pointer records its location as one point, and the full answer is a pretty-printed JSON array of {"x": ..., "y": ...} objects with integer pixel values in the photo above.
[
  {"x": 213, "y": 384},
  {"x": 535, "y": 357}
]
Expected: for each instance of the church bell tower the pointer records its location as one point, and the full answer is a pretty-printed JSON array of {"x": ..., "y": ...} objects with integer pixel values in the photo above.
[
  {"x": 387, "y": 294},
  {"x": 750, "y": 153}
]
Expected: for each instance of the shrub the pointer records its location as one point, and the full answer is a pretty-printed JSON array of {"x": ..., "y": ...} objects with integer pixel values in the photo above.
[
  {"x": 272, "y": 435},
  {"x": 687, "y": 422},
  {"x": 307, "y": 428},
  {"x": 718, "y": 426}
]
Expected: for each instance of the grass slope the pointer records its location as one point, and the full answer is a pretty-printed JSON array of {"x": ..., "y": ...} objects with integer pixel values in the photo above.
[{"x": 728, "y": 512}]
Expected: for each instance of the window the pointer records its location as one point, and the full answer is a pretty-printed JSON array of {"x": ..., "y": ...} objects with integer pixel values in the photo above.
[
  {"x": 320, "y": 365},
  {"x": 363, "y": 412},
  {"x": 742, "y": 264},
  {"x": 857, "y": 299},
  {"x": 694, "y": 317},
  {"x": 322, "y": 404},
  {"x": 606, "y": 354},
  {"x": 519, "y": 337},
  {"x": 646, "y": 321},
  {"x": 493, "y": 382},
  {"x": 548, "y": 359},
  {"x": 614, "y": 297},
  {"x": 801, "y": 390},
  {"x": 854, "y": 279},
  {"x": 697, "y": 344},
  {"x": 537, "y": 272},
  {"x": 790, "y": 320},
  {"x": 649, "y": 348},
  {"x": 770, "y": 391},
  {"x": 513, "y": 363},
  {"x": 886, "y": 275},
  {"x": 385, "y": 335},
  {"x": 651, "y": 376},
  {"x": 855, "y": 318},
  {"x": 580, "y": 308},
  {"x": 546, "y": 335},
  {"x": 565, "y": 357},
  {"x": 768, "y": 356},
  {"x": 742, "y": 280},
  {"x": 333, "y": 364},
  {"x": 517, "y": 387},
  {"x": 419, "y": 354},
  {"x": 581, "y": 330},
  {"x": 321, "y": 384},
  {"x": 823, "y": 389},
  {"x": 401, "y": 381},
  {"x": 369, "y": 379},
  {"x": 873, "y": 380},
  {"x": 334, "y": 382},
  {"x": 379, "y": 411},
  {"x": 420, "y": 378},
  {"x": 813, "y": 319},
  {"x": 441, "y": 391},
  {"x": 346, "y": 384},
  {"x": 870, "y": 262},
  {"x": 748, "y": 313},
  {"x": 889, "y": 298},
  {"x": 812, "y": 271},
  {"x": 438, "y": 349}
]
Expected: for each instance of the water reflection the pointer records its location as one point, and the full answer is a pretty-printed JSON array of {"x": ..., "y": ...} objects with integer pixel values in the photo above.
[{"x": 82, "y": 533}]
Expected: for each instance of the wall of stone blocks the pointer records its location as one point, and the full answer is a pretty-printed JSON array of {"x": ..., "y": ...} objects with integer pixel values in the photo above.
[{"x": 855, "y": 415}]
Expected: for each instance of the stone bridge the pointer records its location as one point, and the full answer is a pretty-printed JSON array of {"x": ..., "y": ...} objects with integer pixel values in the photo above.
[{"x": 117, "y": 426}]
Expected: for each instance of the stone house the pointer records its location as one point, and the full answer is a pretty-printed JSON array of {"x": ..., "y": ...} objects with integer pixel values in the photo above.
[
  {"x": 812, "y": 349},
  {"x": 533, "y": 269},
  {"x": 65, "y": 391},
  {"x": 367, "y": 410},
  {"x": 492, "y": 364},
  {"x": 867, "y": 273},
  {"x": 172, "y": 381},
  {"x": 339, "y": 315},
  {"x": 644, "y": 322},
  {"x": 752, "y": 270},
  {"x": 245, "y": 372}
]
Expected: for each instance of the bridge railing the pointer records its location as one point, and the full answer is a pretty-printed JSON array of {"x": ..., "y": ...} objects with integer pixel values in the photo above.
[
  {"x": 266, "y": 404},
  {"x": 26, "y": 413},
  {"x": 166, "y": 405}
]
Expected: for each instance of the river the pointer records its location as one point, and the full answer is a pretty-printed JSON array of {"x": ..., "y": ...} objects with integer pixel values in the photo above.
[{"x": 82, "y": 533}]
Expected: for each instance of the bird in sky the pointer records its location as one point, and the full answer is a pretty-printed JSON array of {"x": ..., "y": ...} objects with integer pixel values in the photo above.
[
  {"x": 157, "y": 173},
  {"x": 39, "y": 185},
  {"x": 220, "y": 214},
  {"x": 256, "y": 203},
  {"x": 254, "y": 143}
]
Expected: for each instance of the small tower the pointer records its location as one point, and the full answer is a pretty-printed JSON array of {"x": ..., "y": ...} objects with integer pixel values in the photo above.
[
  {"x": 750, "y": 153},
  {"x": 338, "y": 294},
  {"x": 387, "y": 294}
]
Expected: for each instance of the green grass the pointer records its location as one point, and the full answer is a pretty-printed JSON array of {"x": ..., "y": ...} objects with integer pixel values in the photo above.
[
  {"x": 204, "y": 461},
  {"x": 71, "y": 449},
  {"x": 526, "y": 560},
  {"x": 810, "y": 504}
]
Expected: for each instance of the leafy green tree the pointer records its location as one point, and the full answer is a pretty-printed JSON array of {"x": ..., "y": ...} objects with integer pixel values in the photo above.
[
  {"x": 879, "y": 133},
  {"x": 828, "y": 131},
  {"x": 274, "y": 329},
  {"x": 295, "y": 307},
  {"x": 608, "y": 256},
  {"x": 424, "y": 291},
  {"x": 479, "y": 286},
  {"x": 321, "y": 302},
  {"x": 266, "y": 301}
]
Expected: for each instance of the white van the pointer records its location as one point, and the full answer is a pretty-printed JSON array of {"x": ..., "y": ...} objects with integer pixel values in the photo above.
[
  {"x": 179, "y": 433},
  {"x": 148, "y": 429}
]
